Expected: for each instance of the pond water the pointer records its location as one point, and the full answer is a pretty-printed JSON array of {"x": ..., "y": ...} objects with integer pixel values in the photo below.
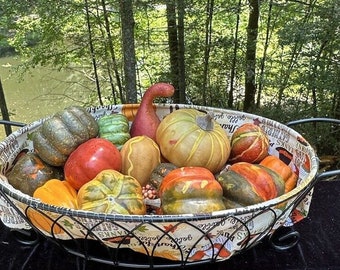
[{"x": 39, "y": 93}]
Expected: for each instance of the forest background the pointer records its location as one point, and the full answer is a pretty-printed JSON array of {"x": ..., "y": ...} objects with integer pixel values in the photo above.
[{"x": 276, "y": 58}]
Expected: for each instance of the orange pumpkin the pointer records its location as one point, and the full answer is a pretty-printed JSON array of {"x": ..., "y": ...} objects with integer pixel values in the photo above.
[
  {"x": 53, "y": 192},
  {"x": 281, "y": 168}
]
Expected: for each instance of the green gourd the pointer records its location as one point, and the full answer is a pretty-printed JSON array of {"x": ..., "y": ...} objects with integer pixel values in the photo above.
[
  {"x": 112, "y": 192},
  {"x": 115, "y": 128},
  {"x": 31, "y": 172},
  {"x": 62, "y": 133}
]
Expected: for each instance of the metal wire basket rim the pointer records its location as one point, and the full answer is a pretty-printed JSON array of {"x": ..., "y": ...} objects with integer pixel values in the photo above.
[{"x": 35, "y": 203}]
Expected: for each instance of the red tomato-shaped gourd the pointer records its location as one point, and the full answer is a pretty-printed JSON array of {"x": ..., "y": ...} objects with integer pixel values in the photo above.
[{"x": 90, "y": 158}]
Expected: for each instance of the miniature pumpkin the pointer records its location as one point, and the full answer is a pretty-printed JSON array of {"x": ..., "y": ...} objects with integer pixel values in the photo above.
[
  {"x": 112, "y": 192},
  {"x": 281, "y": 168},
  {"x": 140, "y": 156},
  {"x": 57, "y": 193},
  {"x": 249, "y": 143},
  {"x": 60, "y": 135},
  {"x": 190, "y": 190},
  {"x": 89, "y": 159},
  {"x": 31, "y": 172},
  {"x": 188, "y": 137},
  {"x": 246, "y": 184},
  {"x": 115, "y": 128}
]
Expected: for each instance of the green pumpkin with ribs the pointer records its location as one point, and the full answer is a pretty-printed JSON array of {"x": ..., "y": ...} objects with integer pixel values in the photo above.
[{"x": 62, "y": 133}]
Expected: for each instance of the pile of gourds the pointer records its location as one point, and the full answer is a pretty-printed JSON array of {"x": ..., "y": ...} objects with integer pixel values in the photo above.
[{"x": 186, "y": 162}]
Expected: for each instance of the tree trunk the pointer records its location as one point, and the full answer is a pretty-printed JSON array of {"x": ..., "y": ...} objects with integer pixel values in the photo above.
[
  {"x": 233, "y": 64},
  {"x": 128, "y": 39},
  {"x": 207, "y": 47},
  {"x": 4, "y": 110},
  {"x": 181, "y": 52},
  {"x": 313, "y": 78},
  {"x": 250, "y": 78},
  {"x": 92, "y": 52},
  {"x": 111, "y": 58},
  {"x": 264, "y": 57},
  {"x": 173, "y": 47}
]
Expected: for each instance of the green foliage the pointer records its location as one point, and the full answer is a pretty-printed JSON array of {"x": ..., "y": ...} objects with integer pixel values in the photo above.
[{"x": 300, "y": 64}]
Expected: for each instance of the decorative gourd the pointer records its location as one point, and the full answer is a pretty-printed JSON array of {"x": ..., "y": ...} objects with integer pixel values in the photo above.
[
  {"x": 60, "y": 135},
  {"x": 31, "y": 172},
  {"x": 112, "y": 192},
  {"x": 57, "y": 193},
  {"x": 140, "y": 156},
  {"x": 146, "y": 120},
  {"x": 89, "y": 159},
  {"x": 190, "y": 190},
  {"x": 281, "y": 168},
  {"x": 115, "y": 128},
  {"x": 277, "y": 179},
  {"x": 249, "y": 143},
  {"x": 160, "y": 172},
  {"x": 246, "y": 184},
  {"x": 188, "y": 137}
]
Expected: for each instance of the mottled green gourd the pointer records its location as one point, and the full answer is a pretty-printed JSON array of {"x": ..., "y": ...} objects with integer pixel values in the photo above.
[
  {"x": 160, "y": 172},
  {"x": 112, "y": 192},
  {"x": 62, "y": 133},
  {"x": 115, "y": 128},
  {"x": 31, "y": 172}
]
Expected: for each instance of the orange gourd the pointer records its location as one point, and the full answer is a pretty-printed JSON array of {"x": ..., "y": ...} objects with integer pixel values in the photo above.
[
  {"x": 281, "y": 168},
  {"x": 57, "y": 193},
  {"x": 245, "y": 184}
]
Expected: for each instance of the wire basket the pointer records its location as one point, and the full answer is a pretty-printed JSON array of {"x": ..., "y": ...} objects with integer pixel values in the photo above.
[{"x": 158, "y": 240}]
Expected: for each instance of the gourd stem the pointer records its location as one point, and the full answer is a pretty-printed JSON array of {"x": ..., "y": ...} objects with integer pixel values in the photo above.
[{"x": 205, "y": 121}]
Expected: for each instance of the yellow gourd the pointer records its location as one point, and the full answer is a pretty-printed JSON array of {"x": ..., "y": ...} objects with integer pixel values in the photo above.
[{"x": 140, "y": 156}]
